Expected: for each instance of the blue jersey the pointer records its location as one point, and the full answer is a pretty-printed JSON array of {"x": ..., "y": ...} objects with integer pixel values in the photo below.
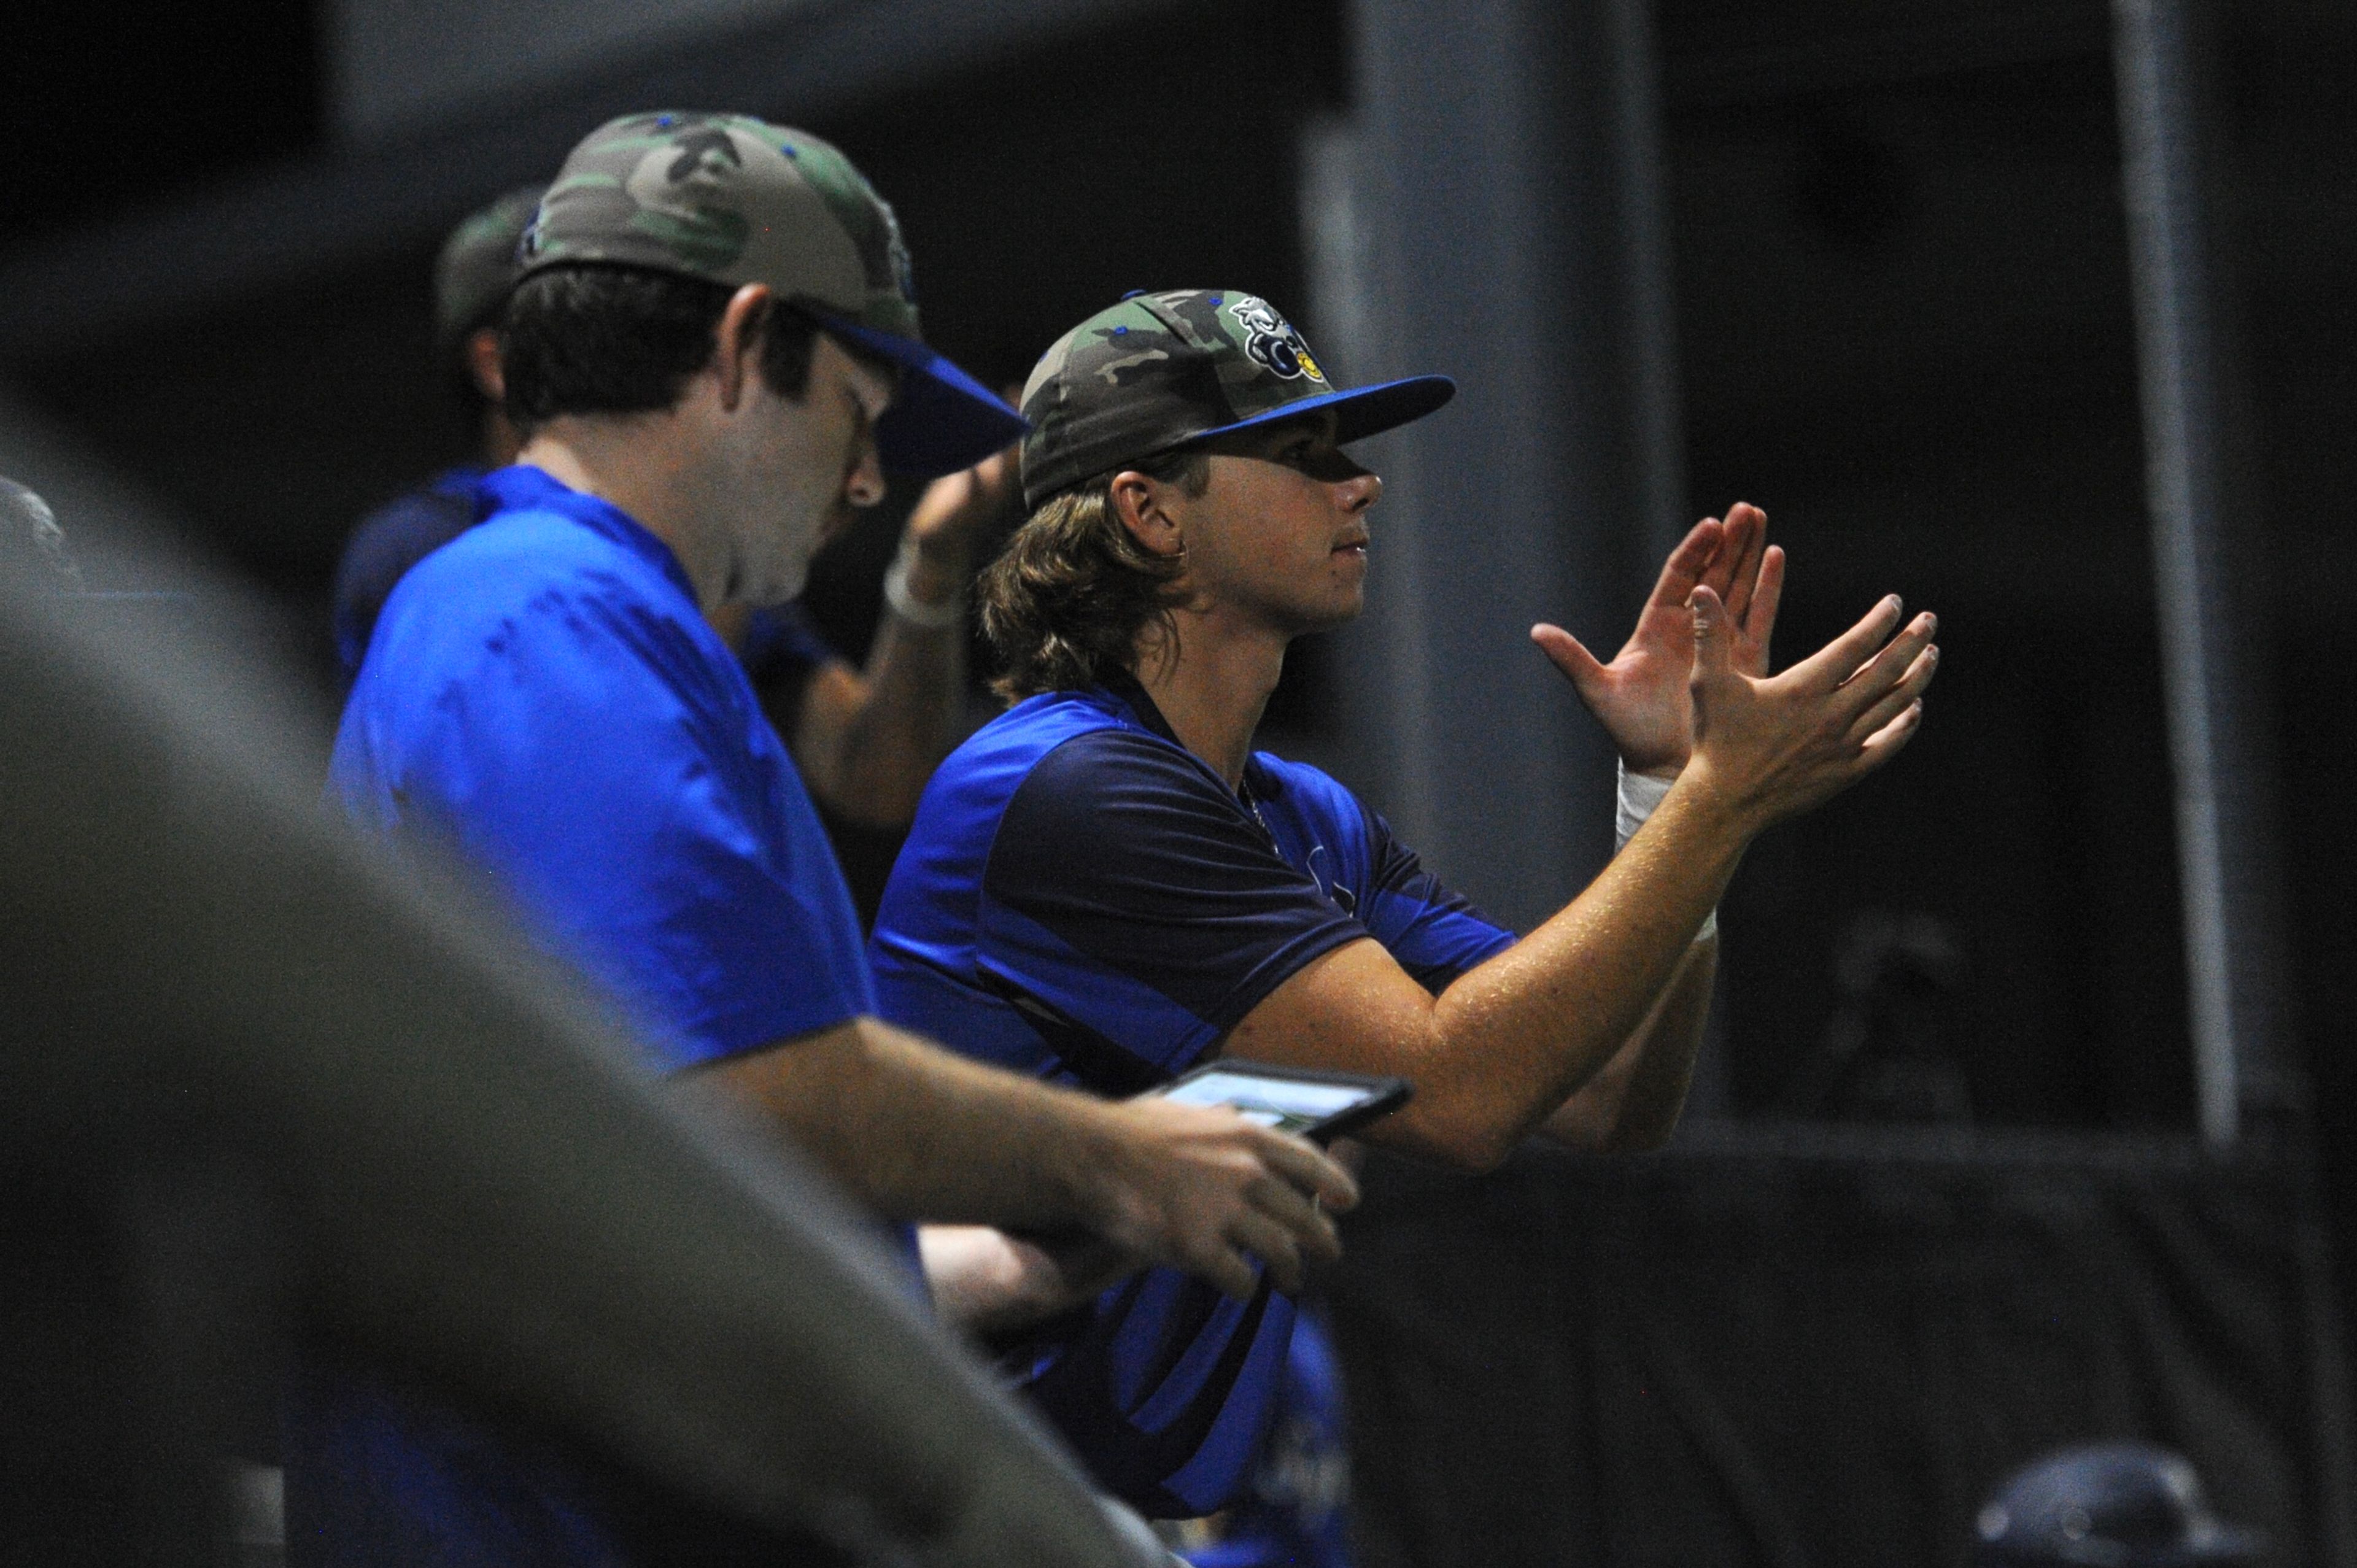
[
  {"x": 782, "y": 642},
  {"x": 1293, "y": 1512},
  {"x": 543, "y": 695},
  {"x": 1083, "y": 899},
  {"x": 387, "y": 543}
]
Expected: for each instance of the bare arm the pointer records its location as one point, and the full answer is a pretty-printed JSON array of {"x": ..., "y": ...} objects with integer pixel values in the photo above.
[
  {"x": 867, "y": 741},
  {"x": 1506, "y": 1045},
  {"x": 920, "y": 1133},
  {"x": 988, "y": 1282},
  {"x": 1632, "y": 1103}
]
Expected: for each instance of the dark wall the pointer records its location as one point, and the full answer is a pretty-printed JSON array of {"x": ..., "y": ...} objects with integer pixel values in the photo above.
[
  {"x": 1901, "y": 266},
  {"x": 1906, "y": 330},
  {"x": 1030, "y": 195},
  {"x": 109, "y": 106},
  {"x": 1819, "y": 1352}
]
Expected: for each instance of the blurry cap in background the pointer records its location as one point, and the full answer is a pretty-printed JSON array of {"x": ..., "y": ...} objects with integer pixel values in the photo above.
[
  {"x": 733, "y": 199},
  {"x": 31, "y": 543},
  {"x": 478, "y": 265},
  {"x": 1160, "y": 370},
  {"x": 2107, "y": 1505}
]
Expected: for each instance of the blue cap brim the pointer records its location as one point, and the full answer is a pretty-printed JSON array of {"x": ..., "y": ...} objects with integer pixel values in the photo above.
[
  {"x": 943, "y": 419},
  {"x": 1359, "y": 412}
]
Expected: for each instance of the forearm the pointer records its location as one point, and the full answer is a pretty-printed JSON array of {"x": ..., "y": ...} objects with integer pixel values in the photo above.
[
  {"x": 1506, "y": 1045},
  {"x": 1633, "y": 1102},
  {"x": 920, "y": 1133},
  {"x": 869, "y": 743},
  {"x": 988, "y": 1282},
  {"x": 1523, "y": 1033}
]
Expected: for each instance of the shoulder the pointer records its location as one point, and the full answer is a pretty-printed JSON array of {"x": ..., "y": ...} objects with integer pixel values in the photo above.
[
  {"x": 534, "y": 598},
  {"x": 1008, "y": 751},
  {"x": 1307, "y": 789},
  {"x": 402, "y": 532}
]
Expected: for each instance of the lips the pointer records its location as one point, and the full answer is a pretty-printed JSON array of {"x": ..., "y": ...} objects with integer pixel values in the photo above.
[{"x": 1351, "y": 544}]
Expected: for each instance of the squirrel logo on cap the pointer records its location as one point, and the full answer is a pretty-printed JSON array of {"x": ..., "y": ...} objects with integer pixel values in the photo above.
[{"x": 1271, "y": 341}]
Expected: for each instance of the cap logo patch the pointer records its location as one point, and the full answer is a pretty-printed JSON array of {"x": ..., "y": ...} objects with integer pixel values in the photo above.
[
  {"x": 680, "y": 189},
  {"x": 1271, "y": 342}
]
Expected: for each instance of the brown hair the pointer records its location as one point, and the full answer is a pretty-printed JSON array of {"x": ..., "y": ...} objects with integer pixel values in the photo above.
[{"x": 1064, "y": 602}]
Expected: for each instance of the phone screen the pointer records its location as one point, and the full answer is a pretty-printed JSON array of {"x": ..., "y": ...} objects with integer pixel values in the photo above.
[{"x": 1291, "y": 1105}]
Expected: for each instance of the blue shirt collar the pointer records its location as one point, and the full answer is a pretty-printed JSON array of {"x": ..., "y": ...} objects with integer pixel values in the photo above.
[
  {"x": 1124, "y": 693},
  {"x": 523, "y": 488}
]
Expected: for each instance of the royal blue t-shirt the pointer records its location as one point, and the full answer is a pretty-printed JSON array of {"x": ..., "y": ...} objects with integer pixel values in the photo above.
[
  {"x": 541, "y": 696},
  {"x": 1083, "y": 899},
  {"x": 782, "y": 642}
]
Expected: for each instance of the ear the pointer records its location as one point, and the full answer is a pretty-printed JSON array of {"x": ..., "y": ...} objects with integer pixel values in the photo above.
[
  {"x": 1143, "y": 504},
  {"x": 736, "y": 343},
  {"x": 482, "y": 352}
]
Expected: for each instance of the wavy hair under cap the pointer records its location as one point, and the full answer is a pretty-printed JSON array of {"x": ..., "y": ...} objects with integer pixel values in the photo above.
[{"x": 1063, "y": 603}]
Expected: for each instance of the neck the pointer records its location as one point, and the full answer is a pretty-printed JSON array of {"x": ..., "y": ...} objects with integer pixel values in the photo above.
[
  {"x": 638, "y": 463},
  {"x": 1212, "y": 686},
  {"x": 501, "y": 441}
]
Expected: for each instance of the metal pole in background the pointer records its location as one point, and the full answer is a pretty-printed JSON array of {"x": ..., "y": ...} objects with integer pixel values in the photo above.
[
  {"x": 1488, "y": 160},
  {"x": 2218, "y": 734}
]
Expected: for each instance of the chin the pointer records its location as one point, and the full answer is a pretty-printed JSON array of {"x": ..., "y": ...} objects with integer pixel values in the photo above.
[{"x": 767, "y": 593}]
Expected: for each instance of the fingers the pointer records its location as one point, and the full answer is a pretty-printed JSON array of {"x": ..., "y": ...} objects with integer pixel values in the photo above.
[
  {"x": 1891, "y": 665},
  {"x": 1226, "y": 1269},
  {"x": 1767, "y": 597},
  {"x": 1738, "y": 558},
  {"x": 1711, "y": 654},
  {"x": 1905, "y": 693},
  {"x": 1688, "y": 563},
  {"x": 1309, "y": 1170},
  {"x": 1838, "y": 661},
  {"x": 1568, "y": 654},
  {"x": 1277, "y": 1248},
  {"x": 994, "y": 474},
  {"x": 1886, "y": 743},
  {"x": 1312, "y": 1231}
]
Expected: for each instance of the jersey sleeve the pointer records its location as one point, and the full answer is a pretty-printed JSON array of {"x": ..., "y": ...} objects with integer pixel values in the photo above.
[
  {"x": 1434, "y": 933},
  {"x": 1135, "y": 912},
  {"x": 782, "y": 643},
  {"x": 385, "y": 544},
  {"x": 593, "y": 758}
]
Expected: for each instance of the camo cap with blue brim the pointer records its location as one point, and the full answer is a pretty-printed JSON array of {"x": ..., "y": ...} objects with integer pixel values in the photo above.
[
  {"x": 733, "y": 199},
  {"x": 1159, "y": 371},
  {"x": 477, "y": 266}
]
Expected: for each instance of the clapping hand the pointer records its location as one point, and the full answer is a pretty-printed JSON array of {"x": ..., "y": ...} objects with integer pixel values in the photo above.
[{"x": 1643, "y": 697}]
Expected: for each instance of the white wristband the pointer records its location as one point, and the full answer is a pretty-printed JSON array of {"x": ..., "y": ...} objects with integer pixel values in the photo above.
[
  {"x": 949, "y": 612},
  {"x": 1639, "y": 794}
]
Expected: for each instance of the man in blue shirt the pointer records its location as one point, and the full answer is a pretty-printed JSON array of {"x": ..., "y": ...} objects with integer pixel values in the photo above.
[
  {"x": 1107, "y": 885},
  {"x": 712, "y": 351},
  {"x": 864, "y": 739}
]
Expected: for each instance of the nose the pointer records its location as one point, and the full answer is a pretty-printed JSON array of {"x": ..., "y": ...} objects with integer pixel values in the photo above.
[
  {"x": 863, "y": 485},
  {"x": 1360, "y": 491}
]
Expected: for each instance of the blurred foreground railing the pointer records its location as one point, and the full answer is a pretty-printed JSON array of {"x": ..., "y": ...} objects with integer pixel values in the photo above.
[{"x": 264, "y": 1090}]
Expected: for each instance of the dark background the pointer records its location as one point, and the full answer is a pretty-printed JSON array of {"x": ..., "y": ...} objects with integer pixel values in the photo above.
[{"x": 1903, "y": 325}]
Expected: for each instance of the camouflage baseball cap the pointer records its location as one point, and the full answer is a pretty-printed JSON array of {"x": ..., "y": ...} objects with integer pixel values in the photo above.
[
  {"x": 733, "y": 199},
  {"x": 478, "y": 265},
  {"x": 1159, "y": 371}
]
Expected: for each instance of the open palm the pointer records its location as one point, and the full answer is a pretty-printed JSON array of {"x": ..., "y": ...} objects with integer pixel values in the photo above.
[{"x": 1641, "y": 698}]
